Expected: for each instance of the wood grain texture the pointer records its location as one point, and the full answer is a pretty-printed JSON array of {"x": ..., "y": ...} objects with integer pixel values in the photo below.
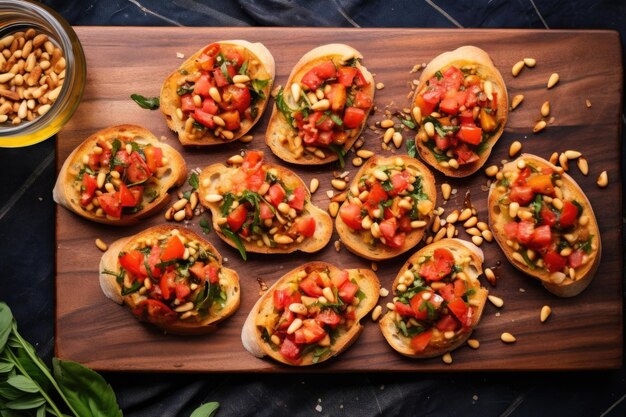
[{"x": 582, "y": 333}]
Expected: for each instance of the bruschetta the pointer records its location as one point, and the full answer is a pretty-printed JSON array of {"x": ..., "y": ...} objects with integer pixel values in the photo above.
[
  {"x": 388, "y": 209},
  {"x": 323, "y": 107},
  {"x": 263, "y": 208},
  {"x": 461, "y": 106},
  {"x": 439, "y": 299},
  {"x": 119, "y": 175},
  {"x": 545, "y": 225},
  {"x": 310, "y": 314},
  {"x": 219, "y": 93},
  {"x": 172, "y": 278}
]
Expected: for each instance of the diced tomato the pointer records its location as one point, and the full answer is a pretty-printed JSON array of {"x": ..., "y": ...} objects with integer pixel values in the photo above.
[
  {"x": 209, "y": 106},
  {"x": 237, "y": 217},
  {"x": 239, "y": 98},
  {"x": 442, "y": 142},
  {"x": 404, "y": 310},
  {"x": 361, "y": 81},
  {"x": 547, "y": 216},
  {"x": 452, "y": 78},
  {"x": 154, "y": 258},
  {"x": 470, "y": 134},
  {"x": 290, "y": 350},
  {"x": 202, "y": 86},
  {"x": 166, "y": 284},
  {"x": 204, "y": 118},
  {"x": 212, "y": 50},
  {"x": 522, "y": 176},
  {"x": 449, "y": 106},
  {"x": 447, "y": 323},
  {"x": 510, "y": 230},
  {"x": 472, "y": 96},
  {"x": 397, "y": 241},
  {"x": 347, "y": 291},
  {"x": 221, "y": 80},
  {"x": 353, "y": 117},
  {"x": 94, "y": 160},
  {"x": 420, "y": 342},
  {"x": 310, "y": 287},
  {"x": 265, "y": 211},
  {"x": 255, "y": 180},
  {"x": 110, "y": 204},
  {"x": 154, "y": 311},
  {"x": 89, "y": 186},
  {"x": 362, "y": 100},
  {"x": 439, "y": 266},
  {"x": 329, "y": 317},
  {"x": 205, "y": 272},
  {"x": 521, "y": 194},
  {"x": 233, "y": 56},
  {"x": 182, "y": 291},
  {"x": 127, "y": 199},
  {"x": 418, "y": 304},
  {"x": 296, "y": 200},
  {"x": 174, "y": 249},
  {"x": 404, "y": 224},
  {"x": 285, "y": 297},
  {"x": 554, "y": 262},
  {"x": 154, "y": 157},
  {"x": 311, "y": 331},
  {"x": 569, "y": 214},
  {"x": 575, "y": 259},
  {"x": 345, "y": 75},
  {"x": 459, "y": 309},
  {"x": 426, "y": 107},
  {"x": 186, "y": 103},
  {"x": 252, "y": 161},
  {"x": 339, "y": 279},
  {"x": 276, "y": 194},
  {"x": 461, "y": 98},
  {"x": 137, "y": 170},
  {"x": 305, "y": 226},
  {"x": 464, "y": 155},
  {"x": 132, "y": 262},
  {"x": 311, "y": 80},
  {"x": 321, "y": 121},
  {"x": 337, "y": 96},
  {"x": 460, "y": 288},
  {"x": 525, "y": 231},
  {"x": 447, "y": 292},
  {"x": 325, "y": 70},
  {"x": 400, "y": 182},
  {"x": 467, "y": 118},
  {"x": 350, "y": 213},
  {"x": 542, "y": 236},
  {"x": 376, "y": 194},
  {"x": 325, "y": 138},
  {"x": 487, "y": 121},
  {"x": 388, "y": 228},
  {"x": 541, "y": 184},
  {"x": 231, "y": 119},
  {"x": 286, "y": 318}
]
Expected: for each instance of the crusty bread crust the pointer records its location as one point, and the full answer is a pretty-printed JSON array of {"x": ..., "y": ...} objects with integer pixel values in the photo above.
[
  {"x": 251, "y": 335},
  {"x": 218, "y": 178},
  {"x": 112, "y": 289},
  {"x": 278, "y": 126},
  {"x": 498, "y": 218},
  {"x": 353, "y": 240},
  {"x": 486, "y": 70},
  {"x": 437, "y": 347},
  {"x": 65, "y": 194},
  {"x": 170, "y": 100}
]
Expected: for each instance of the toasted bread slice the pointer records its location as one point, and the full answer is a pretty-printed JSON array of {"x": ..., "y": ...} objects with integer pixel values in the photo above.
[
  {"x": 249, "y": 183},
  {"x": 263, "y": 327},
  {"x": 93, "y": 159},
  {"x": 431, "y": 341},
  {"x": 251, "y": 59},
  {"x": 283, "y": 139},
  {"x": 475, "y": 62},
  {"x": 215, "y": 286},
  {"x": 566, "y": 265},
  {"x": 365, "y": 240}
]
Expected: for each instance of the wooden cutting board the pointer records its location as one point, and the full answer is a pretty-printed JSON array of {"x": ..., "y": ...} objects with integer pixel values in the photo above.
[{"x": 582, "y": 333}]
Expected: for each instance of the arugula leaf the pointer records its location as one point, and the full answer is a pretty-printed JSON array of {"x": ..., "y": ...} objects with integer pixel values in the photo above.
[
  {"x": 146, "y": 103},
  {"x": 431, "y": 146},
  {"x": 193, "y": 181},
  {"x": 236, "y": 240},
  {"x": 206, "y": 226},
  {"x": 227, "y": 203},
  {"x": 410, "y": 148},
  {"x": 208, "y": 409},
  {"x": 586, "y": 245},
  {"x": 341, "y": 153},
  {"x": 536, "y": 207},
  {"x": 87, "y": 392}
]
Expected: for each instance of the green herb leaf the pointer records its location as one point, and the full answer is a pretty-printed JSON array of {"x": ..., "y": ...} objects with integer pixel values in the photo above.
[
  {"x": 408, "y": 123},
  {"x": 185, "y": 89},
  {"x": 133, "y": 288},
  {"x": 146, "y": 103},
  {"x": 282, "y": 106},
  {"x": 208, "y": 409},
  {"x": 579, "y": 207},
  {"x": 23, "y": 384},
  {"x": 259, "y": 85},
  {"x": 27, "y": 402},
  {"x": 410, "y": 148},
  {"x": 340, "y": 152},
  {"x": 6, "y": 318},
  {"x": 224, "y": 69},
  {"x": 236, "y": 240},
  {"x": 439, "y": 75},
  {"x": 193, "y": 181},
  {"x": 227, "y": 203},
  {"x": 115, "y": 146},
  {"x": 86, "y": 391},
  {"x": 336, "y": 119},
  {"x": 206, "y": 226},
  {"x": 244, "y": 68}
]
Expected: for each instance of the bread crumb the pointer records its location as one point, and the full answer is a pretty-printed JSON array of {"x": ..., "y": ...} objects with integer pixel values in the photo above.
[{"x": 318, "y": 408}]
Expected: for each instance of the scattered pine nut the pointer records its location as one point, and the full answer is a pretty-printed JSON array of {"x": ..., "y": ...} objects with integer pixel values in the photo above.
[
  {"x": 554, "y": 158},
  {"x": 337, "y": 245},
  {"x": 315, "y": 183},
  {"x": 517, "y": 100},
  {"x": 491, "y": 171},
  {"x": 583, "y": 165},
  {"x": 517, "y": 68},
  {"x": 101, "y": 245},
  {"x": 376, "y": 313},
  {"x": 507, "y": 337},
  {"x": 246, "y": 138},
  {"x": 588, "y": 103},
  {"x": 563, "y": 161},
  {"x": 541, "y": 124},
  {"x": 553, "y": 80},
  {"x": 338, "y": 184},
  {"x": 179, "y": 216},
  {"x": 397, "y": 139},
  {"x": 545, "y": 109},
  {"x": 446, "y": 189},
  {"x": 572, "y": 154},
  {"x": 473, "y": 343},
  {"x": 530, "y": 62},
  {"x": 357, "y": 162},
  {"x": 383, "y": 292},
  {"x": 477, "y": 240},
  {"x": 374, "y": 266},
  {"x": 387, "y": 123},
  {"x": 491, "y": 277},
  {"x": 545, "y": 313},
  {"x": 603, "y": 179},
  {"x": 515, "y": 148},
  {"x": 447, "y": 358},
  {"x": 496, "y": 301},
  {"x": 380, "y": 86},
  {"x": 364, "y": 153}
]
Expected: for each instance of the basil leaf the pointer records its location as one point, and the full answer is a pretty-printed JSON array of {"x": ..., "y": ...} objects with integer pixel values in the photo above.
[
  {"x": 85, "y": 390},
  {"x": 206, "y": 410},
  {"x": 146, "y": 103},
  {"x": 236, "y": 240},
  {"x": 206, "y": 226},
  {"x": 411, "y": 150},
  {"x": 6, "y": 318},
  {"x": 193, "y": 181}
]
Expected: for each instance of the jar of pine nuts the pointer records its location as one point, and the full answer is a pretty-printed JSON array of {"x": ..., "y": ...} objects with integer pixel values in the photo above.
[{"x": 42, "y": 72}]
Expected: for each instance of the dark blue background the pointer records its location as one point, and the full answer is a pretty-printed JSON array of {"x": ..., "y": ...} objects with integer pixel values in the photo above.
[{"x": 27, "y": 235}]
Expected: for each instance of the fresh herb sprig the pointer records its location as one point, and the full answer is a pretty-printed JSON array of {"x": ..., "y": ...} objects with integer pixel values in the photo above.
[{"x": 148, "y": 103}]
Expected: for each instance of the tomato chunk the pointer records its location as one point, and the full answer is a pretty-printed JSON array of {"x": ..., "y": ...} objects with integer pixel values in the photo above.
[
  {"x": 521, "y": 194},
  {"x": 328, "y": 316},
  {"x": 276, "y": 194},
  {"x": 132, "y": 262},
  {"x": 459, "y": 309},
  {"x": 439, "y": 266},
  {"x": 525, "y": 231},
  {"x": 353, "y": 117},
  {"x": 470, "y": 134},
  {"x": 345, "y": 75},
  {"x": 89, "y": 186},
  {"x": 348, "y": 291},
  {"x": 554, "y": 262},
  {"x": 542, "y": 236},
  {"x": 449, "y": 105},
  {"x": 305, "y": 226},
  {"x": 310, "y": 287},
  {"x": 420, "y": 342},
  {"x": 110, "y": 204},
  {"x": 174, "y": 249},
  {"x": 290, "y": 350},
  {"x": 541, "y": 184},
  {"x": 297, "y": 198},
  {"x": 237, "y": 217},
  {"x": 569, "y": 214},
  {"x": 350, "y": 214}
]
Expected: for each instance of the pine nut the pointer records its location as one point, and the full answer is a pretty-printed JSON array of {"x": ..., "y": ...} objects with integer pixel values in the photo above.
[
  {"x": 545, "y": 313},
  {"x": 491, "y": 171},
  {"x": 453, "y": 217},
  {"x": 515, "y": 148},
  {"x": 530, "y": 62},
  {"x": 235, "y": 160},
  {"x": 488, "y": 89},
  {"x": 333, "y": 208},
  {"x": 387, "y": 123},
  {"x": 397, "y": 139},
  {"x": 603, "y": 179},
  {"x": 338, "y": 184},
  {"x": 496, "y": 301},
  {"x": 315, "y": 183},
  {"x": 447, "y": 358},
  {"x": 296, "y": 91},
  {"x": 380, "y": 175},
  {"x": 295, "y": 325},
  {"x": 246, "y": 139},
  {"x": 179, "y": 216},
  {"x": 541, "y": 124},
  {"x": 321, "y": 105},
  {"x": 101, "y": 245},
  {"x": 545, "y": 109},
  {"x": 430, "y": 129},
  {"x": 563, "y": 161},
  {"x": 583, "y": 165},
  {"x": 282, "y": 239},
  {"x": 517, "y": 68},
  {"x": 376, "y": 313},
  {"x": 507, "y": 337},
  {"x": 417, "y": 114},
  {"x": 553, "y": 80},
  {"x": 418, "y": 224},
  {"x": 517, "y": 100},
  {"x": 446, "y": 189},
  {"x": 583, "y": 220},
  {"x": 213, "y": 198},
  {"x": 357, "y": 162},
  {"x": 298, "y": 308},
  {"x": 240, "y": 78},
  {"x": 477, "y": 240},
  {"x": 491, "y": 277},
  {"x": 215, "y": 95},
  {"x": 364, "y": 153},
  {"x": 380, "y": 86},
  {"x": 473, "y": 343},
  {"x": 570, "y": 154},
  {"x": 472, "y": 231},
  {"x": 471, "y": 222}
]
